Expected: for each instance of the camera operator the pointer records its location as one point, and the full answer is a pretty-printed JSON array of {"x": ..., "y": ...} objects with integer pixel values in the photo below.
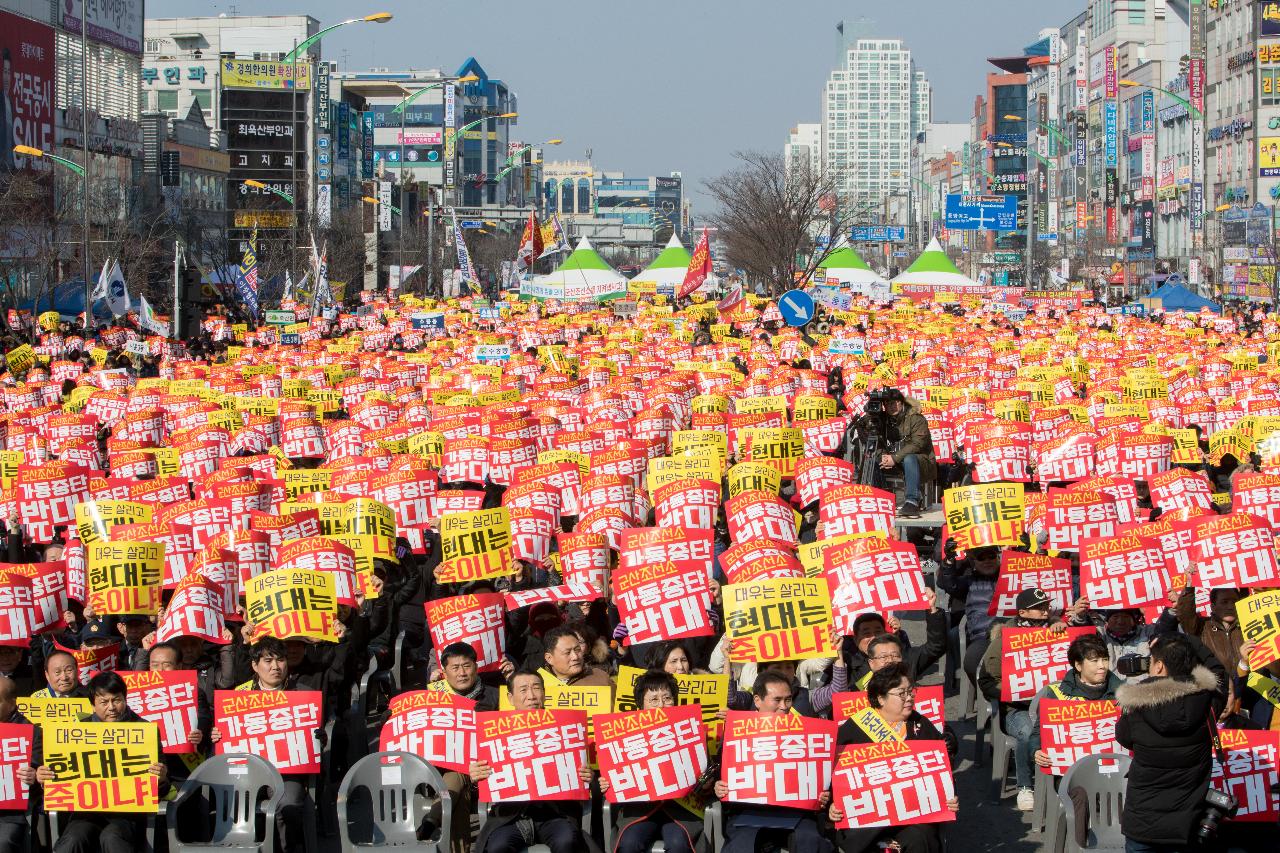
[
  {"x": 902, "y": 440},
  {"x": 1167, "y": 723}
]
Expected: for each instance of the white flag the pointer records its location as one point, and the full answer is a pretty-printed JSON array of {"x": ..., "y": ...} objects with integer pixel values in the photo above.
[
  {"x": 117, "y": 295},
  {"x": 288, "y": 286},
  {"x": 147, "y": 319},
  {"x": 100, "y": 287}
]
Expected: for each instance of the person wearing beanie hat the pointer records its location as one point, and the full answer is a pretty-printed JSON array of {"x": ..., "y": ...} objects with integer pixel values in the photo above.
[{"x": 1034, "y": 611}]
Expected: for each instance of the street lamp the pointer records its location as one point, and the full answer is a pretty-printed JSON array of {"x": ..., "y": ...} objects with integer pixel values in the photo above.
[
  {"x": 1057, "y": 134},
  {"x": 454, "y": 136},
  {"x": 375, "y": 18},
  {"x": 259, "y": 185},
  {"x": 367, "y": 199},
  {"x": 84, "y": 183}
]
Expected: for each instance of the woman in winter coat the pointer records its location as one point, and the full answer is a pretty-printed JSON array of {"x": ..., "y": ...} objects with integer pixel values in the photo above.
[{"x": 1165, "y": 723}]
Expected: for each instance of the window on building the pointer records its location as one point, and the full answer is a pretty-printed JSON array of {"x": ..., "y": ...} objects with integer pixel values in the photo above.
[
  {"x": 584, "y": 195},
  {"x": 204, "y": 97},
  {"x": 167, "y": 102}
]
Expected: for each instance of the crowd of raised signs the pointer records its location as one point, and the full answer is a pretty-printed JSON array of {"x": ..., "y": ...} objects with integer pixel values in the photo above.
[{"x": 573, "y": 560}]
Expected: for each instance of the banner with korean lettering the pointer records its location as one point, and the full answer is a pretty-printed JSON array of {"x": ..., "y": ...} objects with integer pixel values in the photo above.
[
  {"x": 17, "y": 610},
  {"x": 855, "y": 508},
  {"x": 760, "y": 515},
  {"x": 758, "y": 560},
  {"x": 777, "y": 759},
  {"x": 196, "y": 610},
  {"x": 1259, "y": 617},
  {"x": 1032, "y": 658},
  {"x": 282, "y": 726},
  {"x": 1234, "y": 551},
  {"x": 475, "y": 546},
  {"x": 48, "y": 593},
  {"x": 778, "y": 447},
  {"x": 293, "y": 603},
  {"x": 1073, "y": 515},
  {"x": 1251, "y": 773},
  {"x": 814, "y": 476},
  {"x": 477, "y": 620},
  {"x": 15, "y": 752},
  {"x": 168, "y": 699},
  {"x": 1123, "y": 571},
  {"x": 778, "y": 619},
  {"x": 125, "y": 577},
  {"x": 873, "y": 574},
  {"x": 929, "y": 702},
  {"x": 990, "y": 514},
  {"x": 893, "y": 783},
  {"x": 535, "y": 755},
  {"x": 436, "y": 725},
  {"x": 1258, "y": 494},
  {"x": 101, "y": 767},
  {"x": 651, "y": 755},
  {"x": 1019, "y": 571},
  {"x": 710, "y": 692},
  {"x": 664, "y": 601},
  {"x": 687, "y": 503},
  {"x": 1070, "y": 730}
]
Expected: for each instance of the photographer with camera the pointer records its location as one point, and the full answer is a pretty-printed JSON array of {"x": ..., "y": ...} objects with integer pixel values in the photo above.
[
  {"x": 892, "y": 435},
  {"x": 1168, "y": 724}
]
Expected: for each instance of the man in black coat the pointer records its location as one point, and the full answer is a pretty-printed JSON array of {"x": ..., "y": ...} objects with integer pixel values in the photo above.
[{"x": 1165, "y": 722}]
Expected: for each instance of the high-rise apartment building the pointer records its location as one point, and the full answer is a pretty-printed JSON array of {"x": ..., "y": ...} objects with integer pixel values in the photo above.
[
  {"x": 803, "y": 151},
  {"x": 874, "y": 104}
]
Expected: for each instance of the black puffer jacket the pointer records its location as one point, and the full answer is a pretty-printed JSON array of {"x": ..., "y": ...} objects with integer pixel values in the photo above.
[{"x": 1165, "y": 724}]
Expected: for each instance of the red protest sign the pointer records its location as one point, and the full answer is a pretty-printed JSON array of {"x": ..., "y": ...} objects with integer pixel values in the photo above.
[
  {"x": 646, "y": 546},
  {"x": 814, "y": 476},
  {"x": 755, "y": 514},
  {"x": 15, "y": 752},
  {"x": 169, "y": 699},
  {"x": 535, "y": 755},
  {"x": 651, "y": 755},
  {"x": 894, "y": 783},
  {"x": 436, "y": 725},
  {"x": 1234, "y": 551},
  {"x": 278, "y": 725},
  {"x": 1073, "y": 515},
  {"x": 928, "y": 701},
  {"x": 1070, "y": 730},
  {"x": 1001, "y": 458},
  {"x": 1020, "y": 571},
  {"x": 90, "y": 662},
  {"x": 687, "y": 503},
  {"x": 583, "y": 557},
  {"x": 663, "y": 601},
  {"x": 196, "y": 610},
  {"x": 1179, "y": 488},
  {"x": 873, "y": 574},
  {"x": 761, "y": 560},
  {"x": 1250, "y": 774},
  {"x": 1258, "y": 494},
  {"x": 572, "y": 591},
  {"x": 777, "y": 759},
  {"x": 1126, "y": 570},
  {"x": 48, "y": 592},
  {"x": 17, "y": 610},
  {"x": 477, "y": 620},
  {"x": 855, "y": 508},
  {"x": 1066, "y": 459},
  {"x": 1031, "y": 658}
]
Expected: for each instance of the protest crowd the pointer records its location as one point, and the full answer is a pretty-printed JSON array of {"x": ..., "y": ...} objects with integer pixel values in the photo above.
[{"x": 552, "y": 574}]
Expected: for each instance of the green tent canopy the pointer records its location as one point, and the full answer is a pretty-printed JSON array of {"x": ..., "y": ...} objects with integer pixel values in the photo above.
[
  {"x": 668, "y": 269},
  {"x": 933, "y": 268},
  {"x": 583, "y": 276}
]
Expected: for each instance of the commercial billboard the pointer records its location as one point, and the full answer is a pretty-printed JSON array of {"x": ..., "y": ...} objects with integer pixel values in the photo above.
[
  {"x": 1269, "y": 156},
  {"x": 982, "y": 212},
  {"x": 26, "y": 115},
  {"x": 114, "y": 22},
  {"x": 1269, "y": 18},
  {"x": 252, "y": 74}
]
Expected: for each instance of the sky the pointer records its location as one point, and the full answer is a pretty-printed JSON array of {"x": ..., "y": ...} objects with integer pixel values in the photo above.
[{"x": 656, "y": 86}]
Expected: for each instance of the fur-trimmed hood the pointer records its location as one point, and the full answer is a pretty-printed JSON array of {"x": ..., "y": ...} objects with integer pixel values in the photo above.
[{"x": 1164, "y": 691}]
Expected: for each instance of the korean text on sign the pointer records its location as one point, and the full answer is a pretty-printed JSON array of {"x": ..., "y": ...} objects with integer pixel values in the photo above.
[
  {"x": 778, "y": 619},
  {"x": 434, "y": 724},
  {"x": 778, "y": 760},
  {"x": 1070, "y": 730},
  {"x": 1032, "y": 658},
  {"x": 656, "y": 754},
  {"x": 893, "y": 783},
  {"x": 989, "y": 514},
  {"x": 535, "y": 755},
  {"x": 101, "y": 767},
  {"x": 280, "y": 726}
]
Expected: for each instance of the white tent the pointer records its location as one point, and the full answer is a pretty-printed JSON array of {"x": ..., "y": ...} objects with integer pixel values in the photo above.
[
  {"x": 668, "y": 269},
  {"x": 583, "y": 276},
  {"x": 933, "y": 272}
]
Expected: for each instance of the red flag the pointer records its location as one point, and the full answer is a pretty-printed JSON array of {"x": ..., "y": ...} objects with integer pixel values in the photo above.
[
  {"x": 699, "y": 267},
  {"x": 530, "y": 243},
  {"x": 732, "y": 298}
]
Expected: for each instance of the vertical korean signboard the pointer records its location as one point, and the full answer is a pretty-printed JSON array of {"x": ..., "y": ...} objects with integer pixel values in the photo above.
[
  {"x": 1148, "y": 146},
  {"x": 450, "y": 120},
  {"x": 1195, "y": 89},
  {"x": 1111, "y": 133}
]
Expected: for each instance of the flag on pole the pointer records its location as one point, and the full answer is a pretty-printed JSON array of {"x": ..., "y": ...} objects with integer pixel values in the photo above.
[
  {"x": 464, "y": 257},
  {"x": 100, "y": 286},
  {"x": 288, "y": 287},
  {"x": 321, "y": 296},
  {"x": 732, "y": 298},
  {"x": 147, "y": 320},
  {"x": 530, "y": 243},
  {"x": 117, "y": 291},
  {"x": 247, "y": 277},
  {"x": 699, "y": 267}
]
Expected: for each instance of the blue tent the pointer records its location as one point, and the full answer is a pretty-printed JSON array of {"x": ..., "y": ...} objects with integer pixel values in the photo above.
[
  {"x": 68, "y": 300},
  {"x": 1172, "y": 296}
]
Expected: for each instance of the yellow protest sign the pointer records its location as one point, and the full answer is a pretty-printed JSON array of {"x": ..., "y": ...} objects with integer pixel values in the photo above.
[
  {"x": 987, "y": 514},
  {"x": 94, "y": 519},
  {"x": 709, "y": 691},
  {"x": 9, "y": 462},
  {"x": 757, "y": 405},
  {"x": 475, "y": 545},
  {"x": 778, "y": 619},
  {"x": 20, "y": 358},
  {"x": 125, "y": 577},
  {"x": 672, "y": 469},
  {"x": 50, "y": 709},
  {"x": 305, "y": 481},
  {"x": 168, "y": 461},
  {"x": 428, "y": 445},
  {"x": 812, "y": 554},
  {"x": 1186, "y": 447},
  {"x": 49, "y": 320},
  {"x": 777, "y": 447},
  {"x": 746, "y": 476},
  {"x": 705, "y": 404},
  {"x": 813, "y": 407},
  {"x": 579, "y": 459},
  {"x": 1259, "y": 616},
  {"x": 684, "y": 441},
  {"x": 101, "y": 767},
  {"x": 293, "y": 603}
]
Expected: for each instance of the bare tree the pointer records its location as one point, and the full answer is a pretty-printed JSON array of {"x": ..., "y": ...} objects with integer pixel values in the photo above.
[{"x": 769, "y": 218}]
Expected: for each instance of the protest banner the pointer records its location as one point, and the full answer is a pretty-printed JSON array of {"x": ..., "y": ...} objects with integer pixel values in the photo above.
[
  {"x": 646, "y": 546},
  {"x": 48, "y": 592},
  {"x": 477, "y": 620},
  {"x": 1259, "y": 617},
  {"x": 1073, "y": 515},
  {"x": 778, "y": 447},
  {"x": 753, "y": 476},
  {"x": 780, "y": 619},
  {"x": 475, "y": 546},
  {"x": 281, "y": 726},
  {"x": 892, "y": 783},
  {"x": 1065, "y": 459},
  {"x": 1001, "y": 458},
  {"x": 672, "y": 469},
  {"x": 196, "y": 610},
  {"x": 50, "y": 709},
  {"x": 1234, "y": 551},
  {"x": 855, "y": 508},
  {"x": 535, "y": 755},
  {"x": 125, "y": 577},
  {"x": 168, "y": 699},
  {"x": 1071, "y": 729},
  {"x": 94, "y": 519},
  {"x": 988, "y": 514},
  {"x": 1019, "y": 571},
  {"x": 436, "y": 725},
  {"x": 760, "y": 560},
  {"x": 584, "y": 557},
  {"x": 15, "y": 752},
  {"x": 17, "y": 610},
  {"x": 90, "y": 662},
  {"x": 293, "y": 603},
  {"x": 1179, "y": 488},
  {"x": 326, "y": 555},
  {"x": 1126, "y": 570},
  {"x": 873, "y": 574},
  {"x": 663, "y": 601},
  {"x": 760, "y": 515},
  {"x": 565, "y": 592},
  {"x": 1259, "y": 495},
  {"x": 101, "y": 767},
  {"x": 1251, "y": 773},
  {"x": 687, "y": 503},
  {"x": 651, "y": 755},
  {"x": 1031, "y": 658},
  {"x": 709, "y": 692},
  {"x": 777, "y": 759},
  {"x": 928, "y": 701},
  {"x": 815, "y": 475}
]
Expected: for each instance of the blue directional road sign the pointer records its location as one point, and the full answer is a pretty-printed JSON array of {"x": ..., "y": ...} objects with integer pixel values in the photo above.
[
  {"x": 796, "y": 307},
  {"x": 879, "y": 234},
  {"x": 471, "y": 223},
  {"x": 982, "y": 212}
]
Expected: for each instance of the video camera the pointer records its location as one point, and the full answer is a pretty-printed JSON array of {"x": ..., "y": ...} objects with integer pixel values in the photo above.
[{"x": 873, "y": 434}]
